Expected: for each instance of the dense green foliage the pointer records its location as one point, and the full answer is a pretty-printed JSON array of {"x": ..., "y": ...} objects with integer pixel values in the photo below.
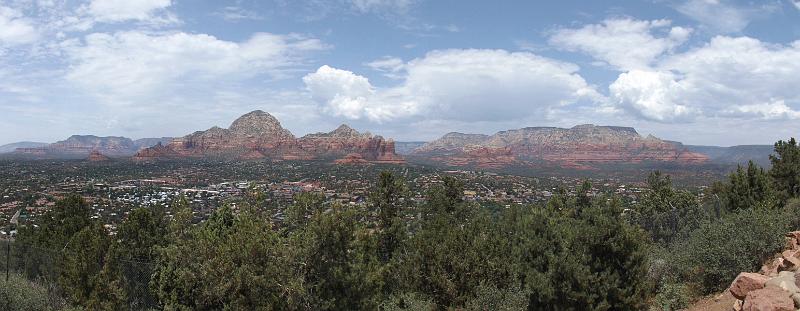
[
  {"x": 577, "y": 252},
  {"x": 20, "y": 294}
]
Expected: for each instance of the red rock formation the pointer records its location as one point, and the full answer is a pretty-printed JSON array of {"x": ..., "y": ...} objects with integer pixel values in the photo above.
[
  {"x": 576, "y": 147},
  {"x": 353, "y": 158},
  {"x": 259, "y": 135},
  {"x": 96, "y": 156},
  {"x": 158, "y": 151}
]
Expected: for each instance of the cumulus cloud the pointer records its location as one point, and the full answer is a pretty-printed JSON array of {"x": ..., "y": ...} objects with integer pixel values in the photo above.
[
  {"x": 346, "y": 94},
  {"x": 466, "y": 85},
  {"x": 796, "y": 3},
  {"x": 128, "y": 65},
  {"x": 15, "y": 28},
  {"x": 728, "y": 77},
  {"x": 652, "y": 95},
  {"x": 623, "y": 43}
]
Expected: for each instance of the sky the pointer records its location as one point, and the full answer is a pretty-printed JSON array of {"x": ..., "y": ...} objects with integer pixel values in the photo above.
[{"x": 710, "y": 72}]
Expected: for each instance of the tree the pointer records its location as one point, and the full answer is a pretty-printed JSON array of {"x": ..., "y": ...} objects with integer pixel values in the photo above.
[
  {"x": 584, "y": 200},
  {"x": 136, "y": 246},
  {"x": 388, "y": 199},
  {"x": 445, "y": 197},
  {"x": 305, "y": 205},
  {"x": 336, "y": 259},
  {"x": 39, "y": 256},
  {"x": 228, "y": 262},
  {"x": 747, "y": 188},
  {"x": 84, "y": 277},
  {"x": 456, "y": 249},
  {"x": 666, "y": 213},
  {"x": 601, "y": 264},
  {"x": 786, "y": 169}
]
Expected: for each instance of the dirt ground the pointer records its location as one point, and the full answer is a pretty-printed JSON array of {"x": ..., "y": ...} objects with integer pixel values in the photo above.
[{"x": 718, "y": 302}]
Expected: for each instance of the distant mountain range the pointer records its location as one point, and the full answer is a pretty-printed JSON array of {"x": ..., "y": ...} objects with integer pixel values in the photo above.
[
  {"x": 81, "y": 146},
  {"x": 736, "y": 154},
  {"x": 23, "y": 144},
  {"x": 581, "y": 146},
  {"x": 259, "y": 135}
]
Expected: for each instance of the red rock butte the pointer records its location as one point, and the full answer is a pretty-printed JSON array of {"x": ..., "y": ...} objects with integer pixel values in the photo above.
[
  {"x": 576, "y": 147},
  {"x": 259, "y": 135}
]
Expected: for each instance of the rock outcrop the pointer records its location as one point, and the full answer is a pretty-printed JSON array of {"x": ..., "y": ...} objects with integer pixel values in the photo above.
[
  {"x": 576, "y": 147},
  {"x": 259, "y": 135},
  {"x": 156, "y": 152},
  {"x": 776, "y": 286},
  {"x": 96, "y": 156}
]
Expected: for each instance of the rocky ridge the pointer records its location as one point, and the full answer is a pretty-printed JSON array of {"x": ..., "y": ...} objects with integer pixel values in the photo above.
[
  {"x": 258, "y": 135},
  {"x": 576, "y": 147}
]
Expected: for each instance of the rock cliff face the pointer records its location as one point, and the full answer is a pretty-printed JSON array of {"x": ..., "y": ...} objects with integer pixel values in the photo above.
[
  {"x": 82, "y": 146},
  {"x": 258, "y": 134},
  {"x": 577, "y": 147}
]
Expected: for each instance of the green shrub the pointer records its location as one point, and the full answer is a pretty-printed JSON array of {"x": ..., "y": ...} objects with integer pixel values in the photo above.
[
  {"x": 20, "y": 294},
  {"x": 672, "y": 296},
  {"x": 718, "y": 251}
]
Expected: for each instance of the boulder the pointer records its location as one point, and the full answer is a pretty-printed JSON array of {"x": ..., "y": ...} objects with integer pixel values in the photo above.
[
  {"x": 791, "y": 259},
  {"x": 793, "y": 240},
  {"x": 796, "y": 299},
  {"x": 747, "y": 282},
  {"x": 768, "y": 299},
  {"x": 785, "y": 281},
  {"x": 772, "y": 267}
]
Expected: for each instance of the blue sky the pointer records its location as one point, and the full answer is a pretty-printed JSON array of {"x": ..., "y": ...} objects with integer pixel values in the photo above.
[{"x": 698, "y": 71}]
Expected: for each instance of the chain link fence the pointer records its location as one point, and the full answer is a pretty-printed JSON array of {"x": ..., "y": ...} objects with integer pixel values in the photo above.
[{"x": 60, "y": 278}]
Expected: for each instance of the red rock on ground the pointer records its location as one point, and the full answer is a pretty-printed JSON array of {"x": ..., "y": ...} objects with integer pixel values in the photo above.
[
  {"x": 791, "y": 259},
  {"x": 747, "y": 282},
  {"x": 772, "y": 268},
  {"x": 768, "y": 299}
]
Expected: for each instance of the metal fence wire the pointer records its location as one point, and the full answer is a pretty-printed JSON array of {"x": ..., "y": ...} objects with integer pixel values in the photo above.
[{"x": 64, "y": 278}]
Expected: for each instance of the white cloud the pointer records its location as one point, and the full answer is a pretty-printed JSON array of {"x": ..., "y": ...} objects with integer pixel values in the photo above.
[
  {"x": 728, "y": 78},
  {"x": 390, "y": 66},
  {"x": 651, "y": 95},
  {"x": 722, "y": 16},
  {"x": 124, "y": 10},
  {"x": 127, "y": 66},
  {"x": 796, "y": 3},
  {"x": 16, "y": 29},
  {"x": 767, "y": 111},
  {"x": 395, "y": 6},
  {"x": 466, "y": 85},
  {"x": 624, "y": 43},
  {"x": 235, "y": 13}
]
